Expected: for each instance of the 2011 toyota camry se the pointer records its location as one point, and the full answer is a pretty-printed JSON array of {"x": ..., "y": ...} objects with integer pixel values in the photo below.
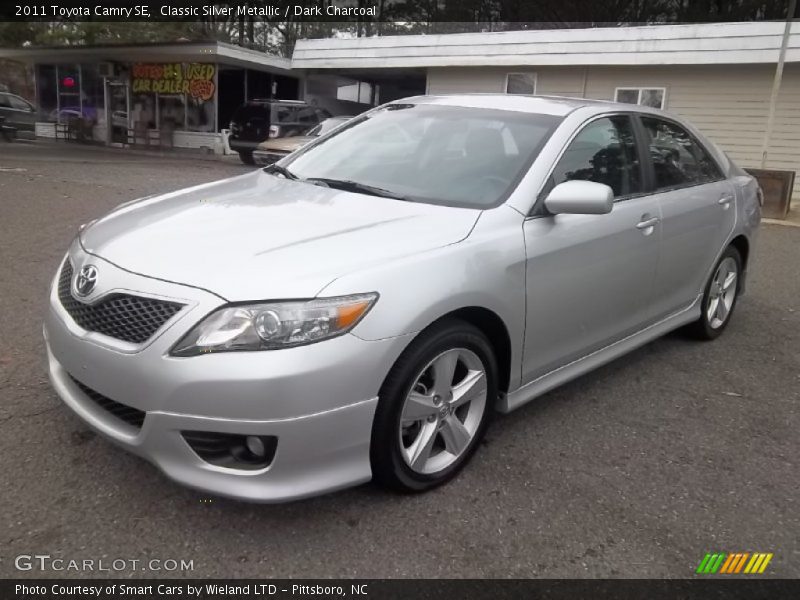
[{"x": 361, "y": 308}]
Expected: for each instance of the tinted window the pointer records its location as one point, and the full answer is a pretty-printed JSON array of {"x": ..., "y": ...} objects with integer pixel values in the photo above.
[
  {"x": 251, "y": 111},
  {"x": 439, "y": 154},
  {"x": 605, "y": 152},
  {"x": 285, "y": 114},
  {"x": 19, "y": 104},
  {"x": 307, "y": 116},
  {"x": 678, "y": 160},
  {"x": 4, "y": 102}
]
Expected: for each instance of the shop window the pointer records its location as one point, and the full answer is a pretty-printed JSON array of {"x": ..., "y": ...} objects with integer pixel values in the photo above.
[
  {"x": 91, "y": 94},
  {"x": 172, "y": 111},
  {"x": 199, "y": 114},
  {"x": 47, "y": 91},
  {"x": 143, "y": 110},
  {"x": 178, "y": 96},
  {"x": 69, "y": 93}
]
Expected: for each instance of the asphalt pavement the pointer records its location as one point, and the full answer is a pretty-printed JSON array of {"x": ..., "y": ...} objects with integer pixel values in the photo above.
[{"x": 635, "y": 470}]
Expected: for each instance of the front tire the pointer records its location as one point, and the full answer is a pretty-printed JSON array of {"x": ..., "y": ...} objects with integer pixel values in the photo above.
[
  {"x": 434, "y": 407},
  {"x": 719, "y": 297},
  {"x": 247, "y": 157}
]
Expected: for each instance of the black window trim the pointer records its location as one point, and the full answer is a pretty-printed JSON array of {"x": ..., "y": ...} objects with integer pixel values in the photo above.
[
  {"x": 647, "y": 159},
  {"x": 538, "y": 210}
]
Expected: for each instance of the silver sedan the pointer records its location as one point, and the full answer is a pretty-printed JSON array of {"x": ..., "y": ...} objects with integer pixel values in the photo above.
[{"x": 362, "y": 308}]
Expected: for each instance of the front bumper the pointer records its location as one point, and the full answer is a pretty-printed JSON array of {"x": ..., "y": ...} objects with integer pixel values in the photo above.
[{"x": 318, "y": 400}]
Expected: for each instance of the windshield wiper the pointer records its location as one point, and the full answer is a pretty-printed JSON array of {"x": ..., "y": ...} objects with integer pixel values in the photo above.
[
  {"x": 354, "y": 186},
  {"x": 280, "y": 171}
]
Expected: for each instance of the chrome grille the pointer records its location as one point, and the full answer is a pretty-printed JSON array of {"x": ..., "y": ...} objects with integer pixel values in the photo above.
[
  {"x": 121, "y": 316},
  {"x": 132, "y": 416}
]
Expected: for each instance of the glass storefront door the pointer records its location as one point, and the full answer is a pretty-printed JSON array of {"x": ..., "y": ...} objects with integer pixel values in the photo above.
[{"x": 117, "y": 111}]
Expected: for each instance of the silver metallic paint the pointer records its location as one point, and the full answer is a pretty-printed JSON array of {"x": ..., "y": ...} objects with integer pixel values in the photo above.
[{"x": 573, "y": 292}]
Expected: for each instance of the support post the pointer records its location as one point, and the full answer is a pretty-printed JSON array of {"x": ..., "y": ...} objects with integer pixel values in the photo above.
[{"x": 776, "y": 83}]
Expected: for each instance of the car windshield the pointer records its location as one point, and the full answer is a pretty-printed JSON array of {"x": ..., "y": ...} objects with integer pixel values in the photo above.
[{"x": 457, "y": 156}]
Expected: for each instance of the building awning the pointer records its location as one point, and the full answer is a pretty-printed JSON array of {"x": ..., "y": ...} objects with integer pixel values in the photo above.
[{"x": 221, "y": 53}]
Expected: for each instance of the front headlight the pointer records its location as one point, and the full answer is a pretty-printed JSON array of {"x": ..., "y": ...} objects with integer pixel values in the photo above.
[{"x": 270, "y": 326}]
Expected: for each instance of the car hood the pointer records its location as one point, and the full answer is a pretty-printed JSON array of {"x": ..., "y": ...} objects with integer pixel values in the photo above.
[{"x": 258, "y": 236}]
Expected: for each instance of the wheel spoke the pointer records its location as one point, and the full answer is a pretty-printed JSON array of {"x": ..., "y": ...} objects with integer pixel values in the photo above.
[
  {"x": 471, "y": 387},
  {"x": 712, "y": 308},
  {"x": 420, "y": 451},
  {"x": 722, "y": 309},
  {"x": 722, "y": 272},
  {"x": 418, "y": 407},
  {"x": 729, "y": 281},
  {"x": 444, "y": 368},
  {"x": 455, "y": 435}
]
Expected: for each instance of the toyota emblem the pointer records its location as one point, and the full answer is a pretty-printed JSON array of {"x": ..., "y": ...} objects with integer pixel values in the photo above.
[{"x": 86, "y": 280}]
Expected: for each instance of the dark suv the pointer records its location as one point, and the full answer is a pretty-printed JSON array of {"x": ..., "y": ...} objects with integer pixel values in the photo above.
[
  {"x": 259, "y": 120},
  {"x": 17, "y": 112}
]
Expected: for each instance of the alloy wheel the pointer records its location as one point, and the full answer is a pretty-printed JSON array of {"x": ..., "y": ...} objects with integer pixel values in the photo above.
[
  {"x": 443, "y": 411},
  {"x": 722, "y": 293}
]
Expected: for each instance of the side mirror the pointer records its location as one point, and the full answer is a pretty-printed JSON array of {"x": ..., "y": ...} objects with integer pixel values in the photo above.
[{"x": 579, "y": 197}]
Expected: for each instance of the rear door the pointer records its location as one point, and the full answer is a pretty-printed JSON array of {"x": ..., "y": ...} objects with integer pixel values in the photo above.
[
  {"x": 5, "y": 110},
  {"x": 698, "y": 211}
]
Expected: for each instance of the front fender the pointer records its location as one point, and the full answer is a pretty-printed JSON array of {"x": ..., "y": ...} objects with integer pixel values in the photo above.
[{"x": 487, "y": 270}]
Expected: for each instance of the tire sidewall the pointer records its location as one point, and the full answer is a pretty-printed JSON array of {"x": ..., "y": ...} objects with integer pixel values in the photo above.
[{"x": 387, "y": 461}]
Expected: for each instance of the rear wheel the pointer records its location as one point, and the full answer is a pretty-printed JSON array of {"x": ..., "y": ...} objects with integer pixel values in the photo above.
[
  {"x": 247, "y": 157},
  {"x": 719, "y": 297},
  {"x": 434, "y": 408}
]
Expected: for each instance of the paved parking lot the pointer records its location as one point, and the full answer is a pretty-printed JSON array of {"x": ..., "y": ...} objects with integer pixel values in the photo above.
[{"x": 636, "y": 470}]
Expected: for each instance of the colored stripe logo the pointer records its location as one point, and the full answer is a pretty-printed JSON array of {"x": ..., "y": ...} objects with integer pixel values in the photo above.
[{"x": 733, "y": 563}]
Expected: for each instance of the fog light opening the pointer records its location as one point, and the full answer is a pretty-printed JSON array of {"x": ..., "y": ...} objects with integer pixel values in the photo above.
[
  {"x": 255, "y": 445},
  {"x": 233, "y": 451}
]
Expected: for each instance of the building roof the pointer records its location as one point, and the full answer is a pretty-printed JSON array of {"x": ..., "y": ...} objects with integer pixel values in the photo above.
[
  {"x": 707, "y": 43},
  {"x": 226, "y": 54}
]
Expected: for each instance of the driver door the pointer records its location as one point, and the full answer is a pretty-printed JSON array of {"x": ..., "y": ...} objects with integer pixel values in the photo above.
[{"x": 590, "y": 278}]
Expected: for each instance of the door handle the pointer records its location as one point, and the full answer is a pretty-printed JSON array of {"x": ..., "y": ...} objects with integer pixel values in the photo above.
[
  {"x": 647, "y": 223},
  {"x": 725, "y": 200}
]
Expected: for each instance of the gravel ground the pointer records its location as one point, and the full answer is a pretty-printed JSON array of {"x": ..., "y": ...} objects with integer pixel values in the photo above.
[{"x": 636, "y": 470}]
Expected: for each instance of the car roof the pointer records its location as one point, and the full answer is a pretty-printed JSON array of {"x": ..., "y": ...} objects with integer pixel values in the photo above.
[{"x": 548, "y": 105}]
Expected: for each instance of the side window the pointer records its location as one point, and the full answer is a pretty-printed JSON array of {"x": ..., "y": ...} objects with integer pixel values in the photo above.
[
  {"x": 605, "y": 152},
  {"x": 4, "y": 102},
  {"x": 19, "y": 104},
  {"x": 307, "y": 116},
  {"x": 678, "y": 159},
  {"x": 521, "y": 83},
  {"x": 284, "y": 114},
  {"x": 653, "y": 97}
]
